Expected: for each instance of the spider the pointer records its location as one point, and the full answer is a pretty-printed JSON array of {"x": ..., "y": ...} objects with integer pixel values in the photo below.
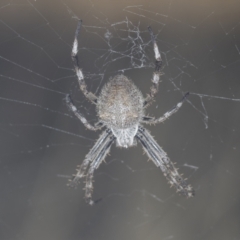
[{"x": 120, "y": 108}]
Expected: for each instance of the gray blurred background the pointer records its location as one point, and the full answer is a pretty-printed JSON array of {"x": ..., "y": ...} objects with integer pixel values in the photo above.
[{"x": 42, "y": 142}]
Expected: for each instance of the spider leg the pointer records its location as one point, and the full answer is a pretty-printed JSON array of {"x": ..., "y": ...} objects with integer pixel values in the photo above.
[
  {"x": 156, "y": 74},
  {"x": 160, "y": 158},
  {"x": 152, "y": 120},
  {"x": 74, "y": 109},
  {"x": 82, "y": 84},
  {"x": 96, "y": 149},
  {"x": 94, "y": 165}
]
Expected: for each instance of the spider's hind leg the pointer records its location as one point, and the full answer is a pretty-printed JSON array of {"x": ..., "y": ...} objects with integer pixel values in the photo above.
[
  {"x": 94, "y": 159},
  {"x": 99, "y": 157},
  {"x": 98, "y": 146},
  {"x": 160, "y": 159}
]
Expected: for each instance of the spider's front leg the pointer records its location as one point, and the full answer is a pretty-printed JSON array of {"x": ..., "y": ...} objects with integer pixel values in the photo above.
[
  {"x": 82, "y": 84},
  {"x": 157, "y": 72}
]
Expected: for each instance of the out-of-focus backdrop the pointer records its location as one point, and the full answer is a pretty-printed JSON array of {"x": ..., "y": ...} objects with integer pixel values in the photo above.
[{"x": 42, "y": 142}]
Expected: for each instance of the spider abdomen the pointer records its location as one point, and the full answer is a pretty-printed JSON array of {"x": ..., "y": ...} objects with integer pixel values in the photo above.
[{"x": 120, "y": 103}]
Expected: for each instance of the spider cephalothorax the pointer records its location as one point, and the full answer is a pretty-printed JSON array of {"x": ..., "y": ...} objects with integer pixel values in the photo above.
[{"x": 120, "y": 108}]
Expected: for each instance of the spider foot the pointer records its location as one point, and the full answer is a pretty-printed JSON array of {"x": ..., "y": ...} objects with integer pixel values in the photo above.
[
  {"x": 73, "y": 182},
  {"x": 185, "y": 190},
  {"x": 88, "y": 195},
  {"x": 93, "y": 202},
  {"x": 188, "y": 191},
  {"x": 181, "y": 186},
  {"x": 89, "y": 201},
  {"x": 175, "y": 179}
]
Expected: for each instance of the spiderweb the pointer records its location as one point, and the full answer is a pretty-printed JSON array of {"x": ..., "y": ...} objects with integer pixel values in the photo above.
[{"x": 42, "y": 142}]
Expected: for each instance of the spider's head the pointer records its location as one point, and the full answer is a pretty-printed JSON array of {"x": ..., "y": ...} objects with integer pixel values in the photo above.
[{"x": 125, "y": 137}]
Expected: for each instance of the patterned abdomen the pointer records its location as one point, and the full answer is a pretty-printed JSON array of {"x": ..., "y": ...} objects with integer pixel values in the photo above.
[{"x": 120, "y": 103}]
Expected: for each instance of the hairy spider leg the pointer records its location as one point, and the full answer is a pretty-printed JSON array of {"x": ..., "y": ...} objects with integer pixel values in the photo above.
[
  {"x": 152, "y": 120},
  {"x": 80, "y": 116},
  {"x": 157, "y": 73},
  {"x": 160, "y": 159},
  {"x": 96, "y": 149},
  {"x": 82, "y": 84},
  {"x": 94, "y": 165}
]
